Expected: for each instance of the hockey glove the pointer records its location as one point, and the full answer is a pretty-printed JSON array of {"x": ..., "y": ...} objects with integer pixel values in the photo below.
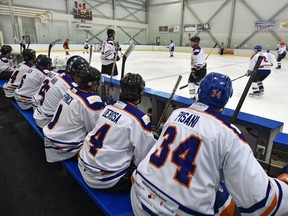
[
  {"x": 249, "y": 72},
  {"x": 194, "y": 72}
]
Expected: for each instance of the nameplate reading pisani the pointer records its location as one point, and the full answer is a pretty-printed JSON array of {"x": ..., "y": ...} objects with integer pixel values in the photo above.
[
  {"x": 112, "y": 115},
  {"x": 187, "y": 119}
]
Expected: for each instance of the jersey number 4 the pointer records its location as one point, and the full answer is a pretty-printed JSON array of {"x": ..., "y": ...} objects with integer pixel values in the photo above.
[
  {"x": 97, "y": 139},
  {"x": 183, "y": 157}
]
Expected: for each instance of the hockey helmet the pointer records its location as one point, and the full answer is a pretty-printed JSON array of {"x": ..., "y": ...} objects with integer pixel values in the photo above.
[
  {"x": 60, "y": 62},
  {"x": 74, "y": 63},
  {"x": 268, "y": 51},
  {"x": 5, "y": 49},
  {"x": 195, "y": 39},
  {"x": 132, "y": 86},
  {"x": 215, "y": 90},
  {"x": 258, "y": 47},
  {"x": 88, "y": 76},
  {"x": 28, "y": 54},
  {"x": 110, "y": 32},
  {"x": 43, "y": 61}
]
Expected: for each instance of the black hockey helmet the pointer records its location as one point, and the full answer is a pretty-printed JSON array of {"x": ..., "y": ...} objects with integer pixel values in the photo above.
[
  {"x": 132, "y": 86},
  {"x": 43, "y": 61},
  {"x": 74, "y": 63},
  {"x": 195, "y": 39},
  {"x": 28, "y": 54},
  {"x": 110, "y": 32},
  {"x": 88, "y": 75},
  {"x": 5, "y": 49}
]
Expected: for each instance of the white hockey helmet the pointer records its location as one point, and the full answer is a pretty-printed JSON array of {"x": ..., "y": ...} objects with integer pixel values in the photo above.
[{"x": 60, "y": 62}]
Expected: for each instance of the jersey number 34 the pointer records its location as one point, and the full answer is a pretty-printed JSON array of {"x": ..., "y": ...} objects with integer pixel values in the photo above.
[{"x": 183, "y": 156}]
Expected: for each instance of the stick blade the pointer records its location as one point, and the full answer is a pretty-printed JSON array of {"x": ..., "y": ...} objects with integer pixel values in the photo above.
[
  {"x": 130, "y": 49},
  {"x": 54, "y": 42}
]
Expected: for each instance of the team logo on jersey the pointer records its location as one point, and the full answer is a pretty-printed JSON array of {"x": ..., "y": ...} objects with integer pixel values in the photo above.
[
  {"x": 92, "y": 99},
  {"x": 146, "y": 119},
  {"x": 152, "y": 196}
]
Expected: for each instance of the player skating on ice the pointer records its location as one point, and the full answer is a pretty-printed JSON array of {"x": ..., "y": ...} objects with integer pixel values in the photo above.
[
  {"x": 171, "y": 48},
  {"x": 53, "y": 89},
  {"x": 263, "y": 71},
  {"x": 86, "y": 46},
  {"x": 75, "y": 116},
  {"x": 66, "y": 46},
  {"x": 120, "y": 140},
  {"x": 198, "y": 66},
  {"x": 181, "y": 173},
  {"x": 281, "y": 53},
  {"x": 29, "y": 57}
]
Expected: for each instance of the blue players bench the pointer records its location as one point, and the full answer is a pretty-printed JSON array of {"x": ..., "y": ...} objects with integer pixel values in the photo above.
[
  {"x": 110, "y": 203},
  {"x": 280, "y": 142},
  {"x": 2, "y": 83}
]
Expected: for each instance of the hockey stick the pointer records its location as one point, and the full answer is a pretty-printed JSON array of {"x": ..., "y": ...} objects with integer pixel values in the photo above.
[
  {"x": 243, "y": 96},
  {"x": 125, "y": 56},
  {"x": 182, "y": 87},
  {"x": 112, "y": 73},
  {"x": 238, "y": 77},
  {"x": 168, "y": 103},
  {"x": 51, "y": 45},
  {"x": 211, "y": 51},
  {"x": 90, "y": 54}
]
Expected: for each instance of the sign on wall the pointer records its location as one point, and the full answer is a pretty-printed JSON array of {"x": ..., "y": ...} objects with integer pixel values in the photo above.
[
  {"x": 189, "y": 28},
  {"x": 283, "y": 24},
  {"x": 163, "y": 29},
  {"x": 174, "y": 28},
  {"x": 83, "y": 26},
  {"x": 267, "y": 25},
  {"x": 203, "y": 27}
]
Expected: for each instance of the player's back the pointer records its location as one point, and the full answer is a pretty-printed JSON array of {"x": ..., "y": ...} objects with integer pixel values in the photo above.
[
  {"x": 121, "y": 135},
  {"x": 30, "y": 83},
  {"x": 76, "y": 115},
  {"x": 49, "y": 95},
  {"x": 180, "y": 175},
  {"x": 15, "y": 79}
]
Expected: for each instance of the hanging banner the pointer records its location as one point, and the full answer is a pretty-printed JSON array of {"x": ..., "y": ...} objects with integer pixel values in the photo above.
[
  {"x": 80, "y": 11},
  {"x": 283, "y": 24},
  {"x": 173, "y": 28},
  {"x": 189, "y": 28},
  {"x": 163, "y": 29},
  {"x": 203, "y": 27},
  {"x": 83, "y": 26},
  {"x": 268, "y": 25}
]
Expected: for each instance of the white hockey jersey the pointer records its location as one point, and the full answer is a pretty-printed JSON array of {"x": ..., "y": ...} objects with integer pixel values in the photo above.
[
  {"x": 76, "y": 115},
  {"x": 181, "y": 173},
  {"x": 5, "y": 64},
  {"x": 122, "y": 135},
  {"x": 30, "y": 83},
  {"x": 265, "y": 63},
  {"x": 172, "y": 47},
  {"x": 197, "y": 58},
  {"x": 15, "y": 79},
  {"x": 282, "y": 48},
  {"x": 50, "y": 93},
  {"x": 107, "y": 52}
]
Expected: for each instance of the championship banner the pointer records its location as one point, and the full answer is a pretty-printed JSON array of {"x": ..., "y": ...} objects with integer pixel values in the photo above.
[
  {"x": 283, "y": 24},
  {"x": 189, "y": 28},
  {"x": 83, "y": 26},
  {"x": 163, "y": 29},
  {"x": 268, "y": 25},
  {"x": 203, "y": 27},
  {"x": 173, "y": 28}
]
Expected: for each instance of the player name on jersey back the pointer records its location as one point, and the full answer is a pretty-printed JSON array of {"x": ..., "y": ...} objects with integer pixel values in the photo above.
[
  {"x": 187, "y": 118},
  {"x": 112, "y": 115}
]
